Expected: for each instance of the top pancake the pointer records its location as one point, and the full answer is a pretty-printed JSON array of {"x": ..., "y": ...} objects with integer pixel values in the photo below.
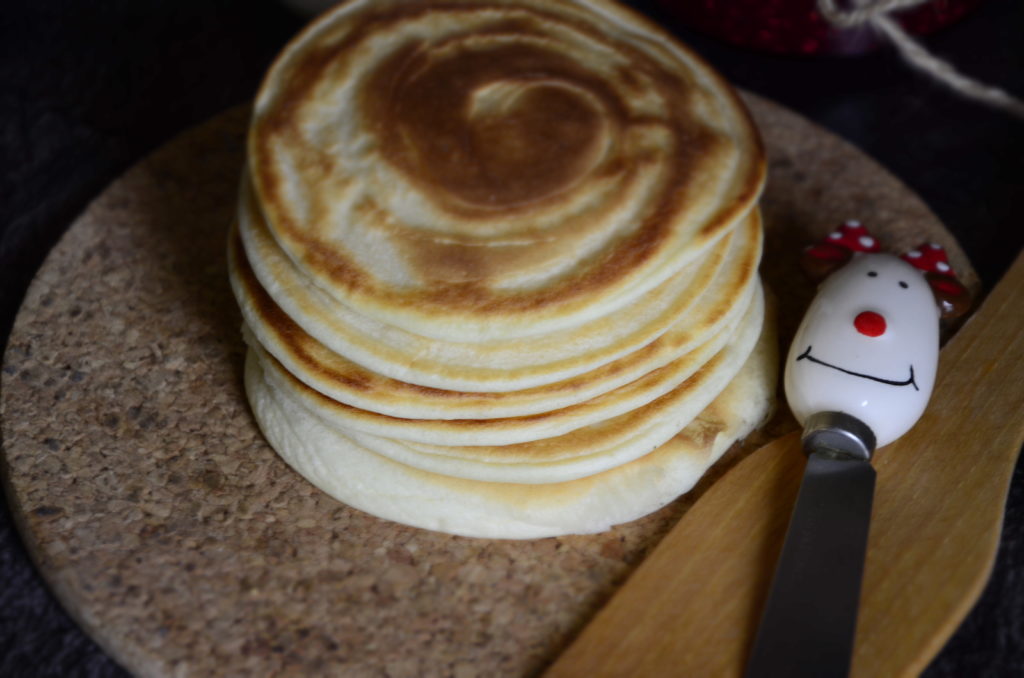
[{"x": 475, "y": 170}]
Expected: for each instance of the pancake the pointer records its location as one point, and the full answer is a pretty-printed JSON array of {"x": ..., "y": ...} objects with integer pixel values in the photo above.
[
  {"x": 473, "y": 171},
  {"x": 394, "y": 491},
  {"x": 579, "y": 453},
  {"x": 495, "y": 366},
  {"x": 343, "y": 380},
  {"x": 497, "y": 264},
  {"x": 711, "y": 366}
]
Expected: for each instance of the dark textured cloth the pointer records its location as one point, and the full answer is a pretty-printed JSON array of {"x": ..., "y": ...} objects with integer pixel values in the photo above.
[{"x": 87, "y": 88}]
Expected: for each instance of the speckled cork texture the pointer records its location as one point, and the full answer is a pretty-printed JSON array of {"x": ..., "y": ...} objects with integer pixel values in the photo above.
[{"x": 180, "y": 541}]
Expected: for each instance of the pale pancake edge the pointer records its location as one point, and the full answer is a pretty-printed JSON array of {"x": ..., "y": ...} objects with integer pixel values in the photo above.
[
  {"x": 511, "y": 430},
  {"x": 394, "y": 491}
]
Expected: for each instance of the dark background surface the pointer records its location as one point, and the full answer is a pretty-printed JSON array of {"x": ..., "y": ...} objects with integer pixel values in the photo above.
[{"x": 88, "y": 88}]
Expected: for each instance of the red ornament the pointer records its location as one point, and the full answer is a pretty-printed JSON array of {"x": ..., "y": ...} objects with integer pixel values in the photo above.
[
  {"x": 853, "y": 236},
  {"x": 952, "y": 297},
  {"x": 819, "y": 260},
  {"x": 796, "y": 26},
  {"x": 930, "y": 258}
]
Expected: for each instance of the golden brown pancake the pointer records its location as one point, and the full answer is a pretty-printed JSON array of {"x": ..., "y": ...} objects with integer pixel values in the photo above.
[
  {"x": 476, "y": 170},
  {"x": 497, "y": 264}
]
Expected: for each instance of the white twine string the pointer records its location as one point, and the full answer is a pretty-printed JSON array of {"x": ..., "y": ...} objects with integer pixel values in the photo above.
[{"x": 876, "y": 13}]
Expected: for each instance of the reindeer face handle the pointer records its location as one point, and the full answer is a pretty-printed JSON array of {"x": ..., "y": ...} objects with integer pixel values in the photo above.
[{"x": 868, "y": 345}]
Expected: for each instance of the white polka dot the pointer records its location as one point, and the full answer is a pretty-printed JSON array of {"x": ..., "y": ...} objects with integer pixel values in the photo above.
[
  {"x": 935, "y": 246},
  {"x": 914, "y": 254},
  {"x": 835, "y": 235},
  {"x": 941, "y": 266},
  {"x": 866, "y": 241},
  {"x": 852, "y": 223}
]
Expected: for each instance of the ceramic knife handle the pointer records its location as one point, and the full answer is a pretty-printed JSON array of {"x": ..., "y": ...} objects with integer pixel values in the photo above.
[{"x": 868, "y": 347}]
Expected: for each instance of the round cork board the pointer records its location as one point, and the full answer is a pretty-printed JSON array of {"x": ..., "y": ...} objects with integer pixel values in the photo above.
[{"x": 184, "y": 546}]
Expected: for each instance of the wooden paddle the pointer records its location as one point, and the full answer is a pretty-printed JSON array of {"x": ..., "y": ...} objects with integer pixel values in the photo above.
[{"x": 692, "y": 608}]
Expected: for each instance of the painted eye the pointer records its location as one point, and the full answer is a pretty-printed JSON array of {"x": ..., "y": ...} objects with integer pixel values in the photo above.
[
  {"x": 904, "y": 285},
  {"x": 872, "y": 274}
]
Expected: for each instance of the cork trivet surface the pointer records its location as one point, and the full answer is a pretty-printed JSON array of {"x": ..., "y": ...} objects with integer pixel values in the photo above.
[{"x": 184, "y": 546}]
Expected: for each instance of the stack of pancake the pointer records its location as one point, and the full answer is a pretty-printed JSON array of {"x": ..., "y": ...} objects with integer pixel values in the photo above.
[{"x": 497, "y": 263}]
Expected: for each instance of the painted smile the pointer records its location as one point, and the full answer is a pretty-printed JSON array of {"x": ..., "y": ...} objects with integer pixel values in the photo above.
[{"x": 908, "y": 382}]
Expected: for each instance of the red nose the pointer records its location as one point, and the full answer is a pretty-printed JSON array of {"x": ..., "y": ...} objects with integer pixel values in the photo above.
[{"x": 870, "y": 324}]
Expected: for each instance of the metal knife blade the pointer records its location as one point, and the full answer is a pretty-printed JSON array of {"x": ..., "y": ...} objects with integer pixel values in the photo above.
[{"x": 811, "y": 614}]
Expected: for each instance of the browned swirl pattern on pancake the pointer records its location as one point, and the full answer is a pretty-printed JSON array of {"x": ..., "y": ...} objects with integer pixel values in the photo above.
[{"x": 476, "y": 169}]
